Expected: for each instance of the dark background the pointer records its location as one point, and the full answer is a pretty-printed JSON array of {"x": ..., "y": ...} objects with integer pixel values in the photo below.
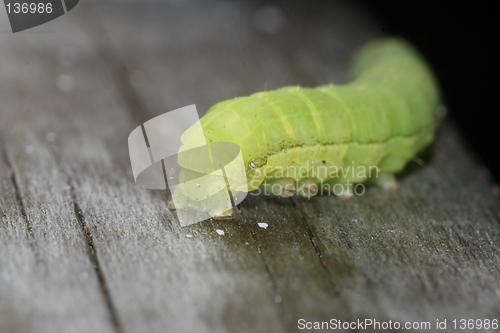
[{"x": 458, "y": 39}]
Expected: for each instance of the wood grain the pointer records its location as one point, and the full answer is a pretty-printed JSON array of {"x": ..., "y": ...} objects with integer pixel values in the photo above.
[{"x": 83, "y": 249}]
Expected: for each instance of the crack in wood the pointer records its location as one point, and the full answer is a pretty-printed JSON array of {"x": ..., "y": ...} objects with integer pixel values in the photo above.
[
  {"x": 98, "y": 35},
  {"x": 244, "y": 221},
  {"x": 324, "y": 265},
  {"x": 19, "y": 198},
  {"x": 94, "y": 259}
]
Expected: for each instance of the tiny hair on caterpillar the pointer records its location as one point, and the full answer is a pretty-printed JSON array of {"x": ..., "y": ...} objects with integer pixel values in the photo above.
[{"x": 305, "y": 141}]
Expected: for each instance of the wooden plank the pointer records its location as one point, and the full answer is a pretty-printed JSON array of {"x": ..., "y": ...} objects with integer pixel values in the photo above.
[
  {"x": 205, "y": 52},
  {"x": 427, "y": 252},
  {"x": 47, "y": 281},
  {"x": 150, "y": 270},
  {"x": 337, "y": 288},
  {"x": 312, "y": 288}
]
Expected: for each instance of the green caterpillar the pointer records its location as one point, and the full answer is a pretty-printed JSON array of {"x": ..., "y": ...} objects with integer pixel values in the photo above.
[{"x": 304, "y": 140}]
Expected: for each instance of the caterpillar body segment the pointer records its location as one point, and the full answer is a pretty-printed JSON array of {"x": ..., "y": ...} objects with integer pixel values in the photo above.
[{"x": 366, "y": 130}]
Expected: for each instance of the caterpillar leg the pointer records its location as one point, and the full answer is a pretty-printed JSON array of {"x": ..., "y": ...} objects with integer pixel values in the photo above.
[
  {"x": 308, "y": 188},
  {"x": 343, "y": 189},
  {"x": 211, "y": 206},
  {"x": 283, "y": 187},
  {"x": 170, "y": 204},
  {"x": 347, "y": 192},
  {"x": 286, "y": 187},
  {"x": 227, "y": 215},
  {"x": 387, "y": 181}
]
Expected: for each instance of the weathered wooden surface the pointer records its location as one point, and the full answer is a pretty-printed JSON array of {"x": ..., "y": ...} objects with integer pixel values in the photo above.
[{"x": 83, "y": 249}]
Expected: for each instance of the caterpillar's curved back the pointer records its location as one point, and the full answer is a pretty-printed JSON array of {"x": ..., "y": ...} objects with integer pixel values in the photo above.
[{"x": 383, "y": 118}]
